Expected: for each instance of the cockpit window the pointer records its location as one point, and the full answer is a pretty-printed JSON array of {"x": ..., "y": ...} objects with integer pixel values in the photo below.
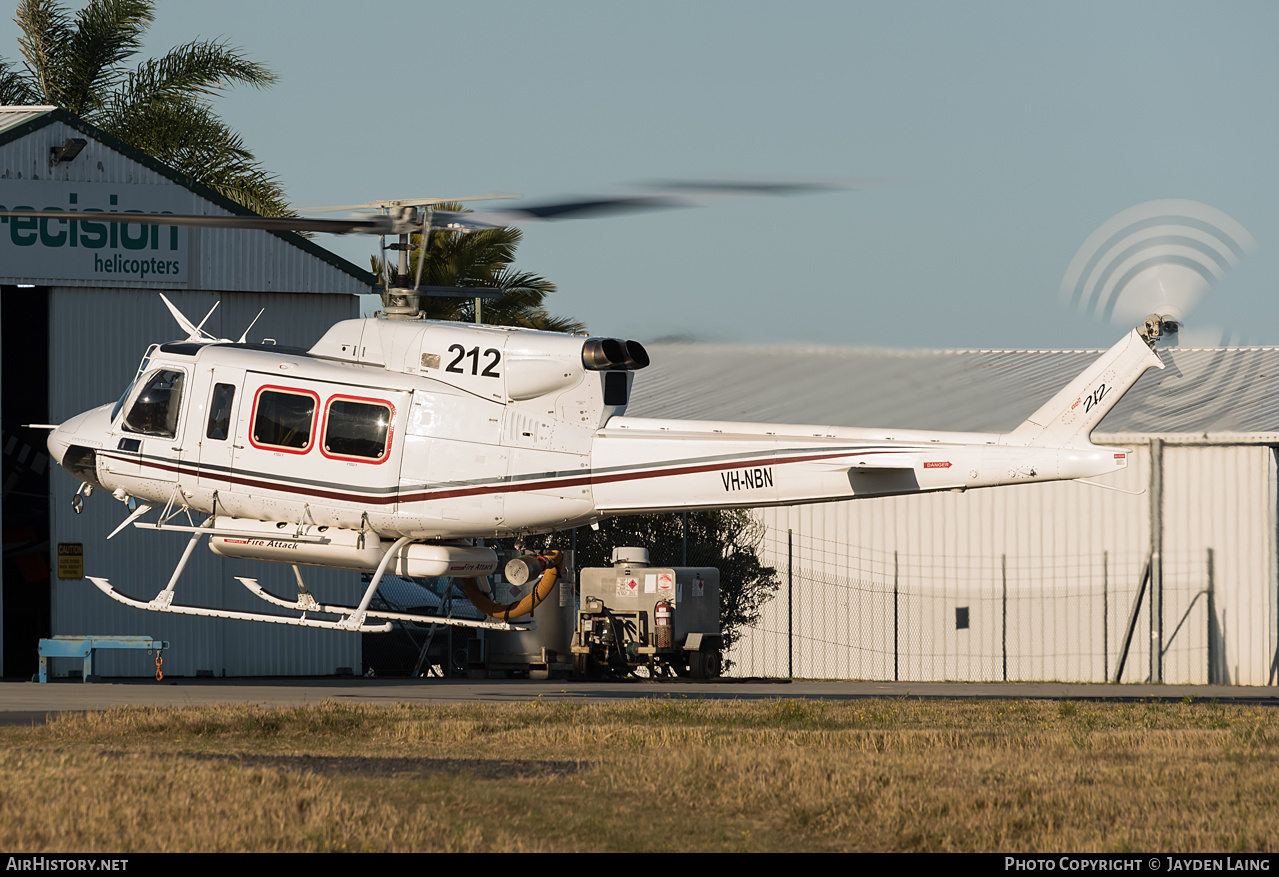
[
  {"x": 155, "y": 409},
  {"x": 146, "y": 360}
]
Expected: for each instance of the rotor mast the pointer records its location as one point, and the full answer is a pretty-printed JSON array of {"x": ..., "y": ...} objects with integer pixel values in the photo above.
[
  {"x": 403, "y": 301},
  {"x": 414, "y": 217}
]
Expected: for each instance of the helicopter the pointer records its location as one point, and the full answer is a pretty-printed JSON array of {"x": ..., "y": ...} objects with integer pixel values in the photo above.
[{"x": 400, "y": 445}]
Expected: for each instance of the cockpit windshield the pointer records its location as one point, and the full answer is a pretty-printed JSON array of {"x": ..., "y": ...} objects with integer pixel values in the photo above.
[
  {"x": 142, "y": 366},
  {"x": 155, "y": 409}
]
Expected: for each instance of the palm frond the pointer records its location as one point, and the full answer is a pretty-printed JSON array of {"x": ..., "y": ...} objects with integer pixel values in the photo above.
[
  {"x": 481, "y": 259},
  {"x": 162, "y": 107},
  {"x": 15, "y": 87},
  {"x": 193, "y": 140},
  {"x": 188, "y": 74},
  {"x": 107, "y": 33},
  {"x": 45, "y": 41}
]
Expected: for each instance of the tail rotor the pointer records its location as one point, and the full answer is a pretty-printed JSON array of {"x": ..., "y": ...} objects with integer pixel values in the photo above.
[{"x": 1162, "y": 257}]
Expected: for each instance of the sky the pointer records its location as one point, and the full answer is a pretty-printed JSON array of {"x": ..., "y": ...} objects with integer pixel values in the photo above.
[{"x": 984, "y": 144}]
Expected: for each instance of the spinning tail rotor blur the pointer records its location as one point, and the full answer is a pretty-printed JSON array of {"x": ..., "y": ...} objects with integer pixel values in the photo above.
[{"x": 1163, "y": 257}]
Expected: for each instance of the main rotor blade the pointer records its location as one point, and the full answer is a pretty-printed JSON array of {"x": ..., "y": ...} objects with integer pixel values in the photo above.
[
  {"x": 444, "y": 221},
  {"x": 406, "y": 202},
  {"x": 591, "y": 207},
  {"x": 400, "y": 220},
  {"x": 733, "y": 187},
  {"x": 367, "y": 225},
  {"x": 677, "y": 194},
  {"x": 765, "y": 187}
]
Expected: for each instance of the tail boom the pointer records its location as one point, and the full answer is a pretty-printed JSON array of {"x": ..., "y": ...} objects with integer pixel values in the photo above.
[
  {"x": 640, "y": 466},
  {"x": 645, "y": 465}
]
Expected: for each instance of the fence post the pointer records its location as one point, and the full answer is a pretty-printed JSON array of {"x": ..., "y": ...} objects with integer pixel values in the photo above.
[
  {"x": 790, "y": 606},
  {"x": 1156, "y": 561},
  {"x": 1214, "y": 645},
  {"x": 895, "y": 649},
  {"x": 1132, "y": 619},
  {"x": 1003, "y": 575}
]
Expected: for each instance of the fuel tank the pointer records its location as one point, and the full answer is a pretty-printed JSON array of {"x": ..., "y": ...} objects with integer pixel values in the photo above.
[{"x": 340, "y": 548}]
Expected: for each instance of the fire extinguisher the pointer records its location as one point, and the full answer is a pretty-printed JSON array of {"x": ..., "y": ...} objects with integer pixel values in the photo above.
[{"x": 663, "y": 614}]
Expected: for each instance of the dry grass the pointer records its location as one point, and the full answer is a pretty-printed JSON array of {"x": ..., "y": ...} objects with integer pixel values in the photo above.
[{"x": 660, "y": 775}]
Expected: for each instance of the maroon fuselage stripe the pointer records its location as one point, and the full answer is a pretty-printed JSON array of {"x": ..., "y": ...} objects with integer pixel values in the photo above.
[{"x": 427, "y": 496}]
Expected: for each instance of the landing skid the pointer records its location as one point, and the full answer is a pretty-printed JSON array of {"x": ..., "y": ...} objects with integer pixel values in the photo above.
[
  {"x": 306, "y": 603},
  {"x": 159, "y": 604},
  {"x": 354, "y": 618}
]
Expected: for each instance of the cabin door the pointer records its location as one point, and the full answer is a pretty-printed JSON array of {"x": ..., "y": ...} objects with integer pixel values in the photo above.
[{"x": 216, "y": 426}]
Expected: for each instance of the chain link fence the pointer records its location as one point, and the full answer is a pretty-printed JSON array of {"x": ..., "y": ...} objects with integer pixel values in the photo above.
[
  {"x": 847, "y": 613},
  {"x": 808, "y": 607}
]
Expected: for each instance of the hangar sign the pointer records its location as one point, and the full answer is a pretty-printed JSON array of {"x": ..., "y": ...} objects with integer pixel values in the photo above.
[{"x": 69, "y": 249}]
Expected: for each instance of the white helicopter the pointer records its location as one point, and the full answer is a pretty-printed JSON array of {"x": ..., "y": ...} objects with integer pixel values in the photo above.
[{"x": 398, "y": 444}]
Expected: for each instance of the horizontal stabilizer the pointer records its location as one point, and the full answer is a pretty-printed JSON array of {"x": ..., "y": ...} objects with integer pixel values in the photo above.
[{"x": 886, "y": 461}]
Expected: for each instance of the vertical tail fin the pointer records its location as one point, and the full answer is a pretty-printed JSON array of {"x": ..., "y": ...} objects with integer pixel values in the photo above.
[{"x": 1068, "y": 419}]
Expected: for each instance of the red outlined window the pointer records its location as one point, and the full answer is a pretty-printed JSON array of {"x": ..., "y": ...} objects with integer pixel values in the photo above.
[
  {"x": 284, "y": 419},
  {"x": 358, "y": 429}
]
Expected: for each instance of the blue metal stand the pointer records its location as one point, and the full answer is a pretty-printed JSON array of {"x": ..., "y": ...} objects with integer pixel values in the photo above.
[{"x": 85, "y": 646}]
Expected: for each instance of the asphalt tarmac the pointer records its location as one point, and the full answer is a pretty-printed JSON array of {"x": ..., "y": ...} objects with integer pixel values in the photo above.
[{"x": 28, "y": 703}]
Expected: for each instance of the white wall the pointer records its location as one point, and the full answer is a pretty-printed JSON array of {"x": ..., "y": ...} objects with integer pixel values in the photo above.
[{"x": 1074, "y": 556}]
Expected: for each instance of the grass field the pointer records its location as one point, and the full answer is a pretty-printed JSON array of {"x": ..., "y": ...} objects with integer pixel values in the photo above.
[{"x": 656, "y": 775}]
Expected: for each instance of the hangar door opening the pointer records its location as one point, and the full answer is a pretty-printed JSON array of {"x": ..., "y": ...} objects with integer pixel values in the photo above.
[{"x": 24, "y": 377}]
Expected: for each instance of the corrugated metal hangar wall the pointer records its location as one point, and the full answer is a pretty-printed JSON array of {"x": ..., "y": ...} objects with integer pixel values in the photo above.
[
  {"x": 74, "y": 333},
  {"x": 87, "y": 367},
  {"x": 1031, "y": 582}
]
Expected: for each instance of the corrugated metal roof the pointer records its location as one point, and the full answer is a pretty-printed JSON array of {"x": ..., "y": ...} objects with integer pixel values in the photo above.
[
  {"x": 1217, "y": 394},
  {"x": 11, "y": 116}
]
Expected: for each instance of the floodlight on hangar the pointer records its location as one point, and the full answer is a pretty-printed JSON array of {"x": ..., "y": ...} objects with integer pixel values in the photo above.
[{"x": 67, "y": 151}]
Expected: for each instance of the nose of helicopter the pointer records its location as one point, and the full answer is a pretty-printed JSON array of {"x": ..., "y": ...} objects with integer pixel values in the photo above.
[{"x": 87, "y": 429}]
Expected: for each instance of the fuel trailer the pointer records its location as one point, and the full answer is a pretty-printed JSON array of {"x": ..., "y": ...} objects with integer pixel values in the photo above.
[{"x": 662, "y": 619}]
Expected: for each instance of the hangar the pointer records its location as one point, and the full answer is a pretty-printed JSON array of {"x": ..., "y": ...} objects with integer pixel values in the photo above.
[
  {"x": 78, "y": 309},
  {"x": 1029, "y": 582}
]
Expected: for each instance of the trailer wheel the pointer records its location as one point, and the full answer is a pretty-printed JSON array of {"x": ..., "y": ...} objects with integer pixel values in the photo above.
[
  {"x": 583, "y": 666},
  {"x": 705, "y": 665}
]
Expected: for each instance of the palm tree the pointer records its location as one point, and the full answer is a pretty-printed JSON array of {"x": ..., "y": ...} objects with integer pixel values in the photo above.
[
  {"x": 481, "y": 259},
  {"x": 161, "y": 106}
]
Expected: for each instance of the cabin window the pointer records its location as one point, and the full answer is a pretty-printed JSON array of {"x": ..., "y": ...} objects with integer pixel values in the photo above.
[
  {"x": 284, "y": 419},
  {"x": 358, "y": 429},
  {"x": 155, "y": 409},
  {"x": 220, "y": 412}
]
